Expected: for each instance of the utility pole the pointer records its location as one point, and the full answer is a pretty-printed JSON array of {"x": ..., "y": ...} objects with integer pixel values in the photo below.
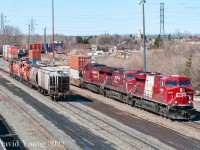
[
  {"x": 28, "y": 39},
  {"x": 105, "y": 42},
  {"x": 144, "y": 40},
  {"x": 45, "y": 35},
  {"x": 53, "y": 29}
]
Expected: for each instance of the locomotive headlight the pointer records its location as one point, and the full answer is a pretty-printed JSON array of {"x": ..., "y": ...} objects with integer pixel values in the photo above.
[
  {"x": 181, "y": 90},
  {"x": 176, "y": 102},
  {"x": 189, "y": 102}
]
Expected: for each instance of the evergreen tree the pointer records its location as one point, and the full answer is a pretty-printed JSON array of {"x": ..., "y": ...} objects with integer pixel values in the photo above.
[
  {"x": 157, "y": 41},
  {"x": 188, "y": 66},
  {"x": 169, "y": 37},
  {"x": 85, "y": 41},
  {"x": 98, "y": 48},
  {"x": 79, "y": 39}
]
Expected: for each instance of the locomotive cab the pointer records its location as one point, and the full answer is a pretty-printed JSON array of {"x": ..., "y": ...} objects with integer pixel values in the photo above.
[
  {"x": 177, "y": 90},
  {"x": 178, "y": 94}
]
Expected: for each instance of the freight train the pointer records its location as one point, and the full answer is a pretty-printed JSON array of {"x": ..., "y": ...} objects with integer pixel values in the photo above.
[
  {"x": 168, "y": 95},
  {"x": 49, "y": 81}
]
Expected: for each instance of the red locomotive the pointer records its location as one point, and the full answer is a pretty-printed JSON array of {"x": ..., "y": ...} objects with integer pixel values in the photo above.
[
  {"x": 170, "y": 96},
  {"x": 49, "y": 81}
]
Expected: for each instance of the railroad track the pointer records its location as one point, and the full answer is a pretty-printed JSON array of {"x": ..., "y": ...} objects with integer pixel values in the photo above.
[
  {"x": 4, "y": 70},
  {"x": 192, "y": 124},
  {"x": 108, "y": 127}
]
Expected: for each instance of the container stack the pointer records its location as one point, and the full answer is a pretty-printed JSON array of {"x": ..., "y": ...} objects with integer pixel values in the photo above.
[
  {"x": 13, "y": 52},
  {"x": 34, "y": 56},
  {"x": 77, "y": 64}
]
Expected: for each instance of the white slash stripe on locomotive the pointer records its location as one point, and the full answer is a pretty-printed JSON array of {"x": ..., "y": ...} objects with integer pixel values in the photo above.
[{"x": 149, "y": 83}]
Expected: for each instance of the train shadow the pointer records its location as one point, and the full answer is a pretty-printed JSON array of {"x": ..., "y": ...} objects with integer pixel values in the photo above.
[
  {"x": 77, "y": 98},
  {"x": 197, "y": 116}
]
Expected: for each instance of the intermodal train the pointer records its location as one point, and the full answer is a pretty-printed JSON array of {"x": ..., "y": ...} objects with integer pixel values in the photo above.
[
  {"x": 49, "y": 81},
  {"x": 168, "y": 95}
]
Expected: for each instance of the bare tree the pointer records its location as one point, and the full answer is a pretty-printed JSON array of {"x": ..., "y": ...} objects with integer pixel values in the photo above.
[{"x": 11, "y": 36}]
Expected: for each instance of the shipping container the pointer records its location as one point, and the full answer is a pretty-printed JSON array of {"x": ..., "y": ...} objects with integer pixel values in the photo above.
[
  {"x": 47, "y": 46},
  {"x": 5, "y": 52},
  {"x": 34, "y": 61},
  {"x": 40, "y": 46},
  {"x": 78, "y": 62},
  {"x": 13, "y": 50},
  {"x": 35, "y": 54},
  {"x": 36, "y": 46},
  {"x": 75, "y": 77},
  {"x": 32, "y": 46}
]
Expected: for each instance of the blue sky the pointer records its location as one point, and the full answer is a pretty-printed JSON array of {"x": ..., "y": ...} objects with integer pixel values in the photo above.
[{"x": 94, "y": 17}]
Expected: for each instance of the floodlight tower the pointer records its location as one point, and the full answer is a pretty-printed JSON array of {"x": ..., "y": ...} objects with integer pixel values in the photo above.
[
  {"x": 162, "y": 26},
  {"x": 3, "y": 21}
]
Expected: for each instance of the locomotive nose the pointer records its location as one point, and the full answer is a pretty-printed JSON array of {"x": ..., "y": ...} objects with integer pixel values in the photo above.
[{"x": 184, "y": 96}]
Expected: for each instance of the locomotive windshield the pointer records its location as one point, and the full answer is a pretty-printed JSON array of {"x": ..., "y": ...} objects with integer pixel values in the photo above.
[
  {"x": 129, "y": 75},
  {"x": 184, "y": 83},
  {"x": 171, "y": 83}
]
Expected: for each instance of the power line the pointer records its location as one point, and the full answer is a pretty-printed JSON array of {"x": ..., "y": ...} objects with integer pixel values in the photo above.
[
  {"x": 32, "y": 30},
  {"x": 32, "y": 26}
]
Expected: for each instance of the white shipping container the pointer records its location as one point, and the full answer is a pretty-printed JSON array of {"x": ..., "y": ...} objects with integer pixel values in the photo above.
[
  {"x": 75, "y": 74},
  {"x": 5, "y": 51}
]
